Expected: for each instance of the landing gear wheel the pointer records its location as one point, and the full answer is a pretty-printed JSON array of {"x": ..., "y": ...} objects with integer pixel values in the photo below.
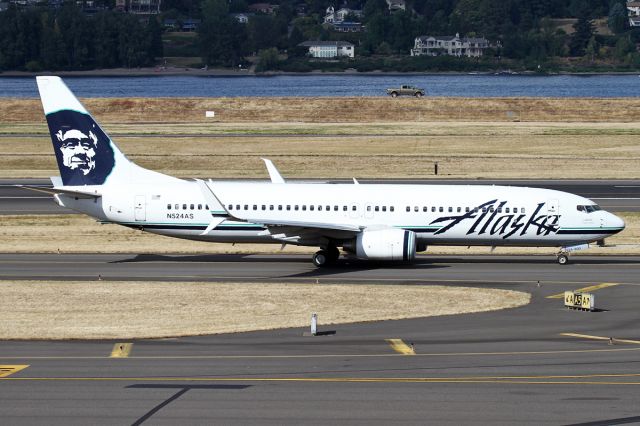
[
  {"x": 334, "y": 254},
  {"x": 320, "y": 258},
  {"x": 563, "y": 259}
]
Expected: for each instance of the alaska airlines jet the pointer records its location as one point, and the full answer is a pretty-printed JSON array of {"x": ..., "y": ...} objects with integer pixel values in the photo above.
[{"x": 368, "y": 221}]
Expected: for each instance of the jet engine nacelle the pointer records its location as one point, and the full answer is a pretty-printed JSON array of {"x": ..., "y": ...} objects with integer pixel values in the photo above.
[{"x": 386, "y": 244}]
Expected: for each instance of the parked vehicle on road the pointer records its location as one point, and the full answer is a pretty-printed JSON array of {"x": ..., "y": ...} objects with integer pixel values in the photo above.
[{"x": 406, "y": 90}]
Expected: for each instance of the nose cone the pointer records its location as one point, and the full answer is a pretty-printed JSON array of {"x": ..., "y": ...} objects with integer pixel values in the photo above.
[{"x": 614, "y": 223}]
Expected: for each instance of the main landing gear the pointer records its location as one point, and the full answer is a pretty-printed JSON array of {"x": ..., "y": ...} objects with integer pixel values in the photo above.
[{"x": 326, "y": 257}]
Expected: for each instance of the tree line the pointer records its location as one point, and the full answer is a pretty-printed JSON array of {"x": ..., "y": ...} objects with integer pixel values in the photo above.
[
  {"x": 527, "y": 32},
  {"x": 522, "y": 30},
  {"x": 68, "y": 39}
]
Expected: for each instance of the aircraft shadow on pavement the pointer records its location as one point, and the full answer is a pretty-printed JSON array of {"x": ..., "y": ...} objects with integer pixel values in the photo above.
[
  {"x": 212, "y": 258},
  {"x": 182, "y": 389},
  {"x": 355, "y": 264}
]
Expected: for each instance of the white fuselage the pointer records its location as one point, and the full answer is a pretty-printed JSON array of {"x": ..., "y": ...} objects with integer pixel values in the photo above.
[{"x": 438, "y": 214}]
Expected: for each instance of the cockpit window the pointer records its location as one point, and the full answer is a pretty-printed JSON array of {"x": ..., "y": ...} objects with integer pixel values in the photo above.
[{"x": 589, "y": 209}]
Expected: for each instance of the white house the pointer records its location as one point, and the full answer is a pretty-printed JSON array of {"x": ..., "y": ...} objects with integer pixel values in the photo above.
[
  {"x": 471, "y": 47},
  {"x": 242, "y": 18},
  {"x": 332, "y": 16},
  {"x": 329, "y": 49},
  {"x": 634, "y": 8},
  {"x": 396, "y": 5}
]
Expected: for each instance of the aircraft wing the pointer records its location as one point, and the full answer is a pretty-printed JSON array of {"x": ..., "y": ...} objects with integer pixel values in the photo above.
[
  {"x": 60, "y": 191},
  {"x": 307, "y": 225},
  {"x": 282, "y": 226}
]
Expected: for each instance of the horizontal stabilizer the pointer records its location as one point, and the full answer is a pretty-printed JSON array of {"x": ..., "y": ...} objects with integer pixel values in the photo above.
[{"x": 59, "y": 191}]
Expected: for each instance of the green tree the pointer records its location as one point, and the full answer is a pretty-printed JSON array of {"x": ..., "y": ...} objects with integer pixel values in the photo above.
[
  {"x": 267, "y": 59},
  {"x": 154, "y": 35},
  {"x": 219, "y": 35},
  {"x": 583, "y": 33},
  {"x": 624, "y": 46},
  {"x": 592, "y": 49},
  {"x": 618, "y": 20}
]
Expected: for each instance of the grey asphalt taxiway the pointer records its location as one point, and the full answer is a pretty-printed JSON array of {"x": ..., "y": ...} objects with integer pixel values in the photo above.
[{"x": 537, "y": 364}]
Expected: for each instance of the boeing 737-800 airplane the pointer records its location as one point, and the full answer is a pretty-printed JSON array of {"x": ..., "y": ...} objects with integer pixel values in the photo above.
[{"x": 371, "y": 222}]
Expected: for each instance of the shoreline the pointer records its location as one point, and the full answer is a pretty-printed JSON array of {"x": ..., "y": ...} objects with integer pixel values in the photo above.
[{"x": 223, "y": 72}]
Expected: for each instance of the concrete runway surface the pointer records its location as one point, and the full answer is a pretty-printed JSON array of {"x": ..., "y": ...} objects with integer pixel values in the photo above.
[
  {"x": 612, "y": 195},
  {"x": 538, "y": 364}
]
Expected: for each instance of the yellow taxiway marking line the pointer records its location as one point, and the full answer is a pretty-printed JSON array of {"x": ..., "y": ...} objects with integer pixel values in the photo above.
[
  {"x": 121, "y": 350},
  {"x": 531, "y": 380},
  {"x": 584, "y": 290},
  {"x": 401, "y": 347},
  {"x": 445, "y": 354},
  {"x": 588, "y": 336},
  {"x": 7, "y": 370}
]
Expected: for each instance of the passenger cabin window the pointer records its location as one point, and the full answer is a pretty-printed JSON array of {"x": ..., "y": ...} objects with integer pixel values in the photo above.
[
  {"x": 168, "y": 206},
  {"x": 184, "y": 207},
  {"x": 255, "y": 207},
  {"x": 384, "y": 208},
  {"x": 391, "y": 208},
  {"x": 199, "y": 206},
  {"x": 450, "y": 209},
  {"x": 344, "y": 208},
  {"x": 408, "y": 208},
  {"x": 441, "y": 209},
  {"x": 177, "y": 206},
  {"x": 433, "y": 209}
]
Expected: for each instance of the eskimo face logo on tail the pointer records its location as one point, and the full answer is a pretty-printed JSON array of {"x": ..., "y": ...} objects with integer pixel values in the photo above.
[
  {"x": 83, "y": 151},
  {"x": 78, "y": 150}
]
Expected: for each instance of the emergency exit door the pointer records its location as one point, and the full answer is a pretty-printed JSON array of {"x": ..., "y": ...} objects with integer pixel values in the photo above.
[{"x": 140, "y": 208}]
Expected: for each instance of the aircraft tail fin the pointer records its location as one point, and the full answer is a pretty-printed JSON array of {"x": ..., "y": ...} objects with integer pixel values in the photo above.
[{"x": 86, "y": 155}]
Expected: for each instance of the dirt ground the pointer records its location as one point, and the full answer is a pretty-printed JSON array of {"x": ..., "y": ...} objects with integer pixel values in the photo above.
[{"x": 127, "y": 310}]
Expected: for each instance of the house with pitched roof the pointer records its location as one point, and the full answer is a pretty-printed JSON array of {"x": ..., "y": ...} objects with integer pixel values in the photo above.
[{"x": 471, "y": 47}]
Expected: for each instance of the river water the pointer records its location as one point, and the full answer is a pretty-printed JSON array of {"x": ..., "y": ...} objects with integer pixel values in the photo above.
[{"x": 596, "y": 86}]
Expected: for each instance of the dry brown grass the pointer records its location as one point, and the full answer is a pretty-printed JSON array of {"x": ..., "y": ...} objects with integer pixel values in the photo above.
[
  {"x": 335, "y": 110},
  {"x": 65, "y": 233},
  {"x": 129, "y": 310},
  {"x": 400, "y": 150}
]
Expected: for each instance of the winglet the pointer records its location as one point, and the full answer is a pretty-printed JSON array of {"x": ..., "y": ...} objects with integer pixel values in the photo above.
[{"x": 274, "y": 174}]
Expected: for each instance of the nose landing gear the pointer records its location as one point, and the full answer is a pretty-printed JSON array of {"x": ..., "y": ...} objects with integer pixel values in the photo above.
[{"x": 562, "y": 258}]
